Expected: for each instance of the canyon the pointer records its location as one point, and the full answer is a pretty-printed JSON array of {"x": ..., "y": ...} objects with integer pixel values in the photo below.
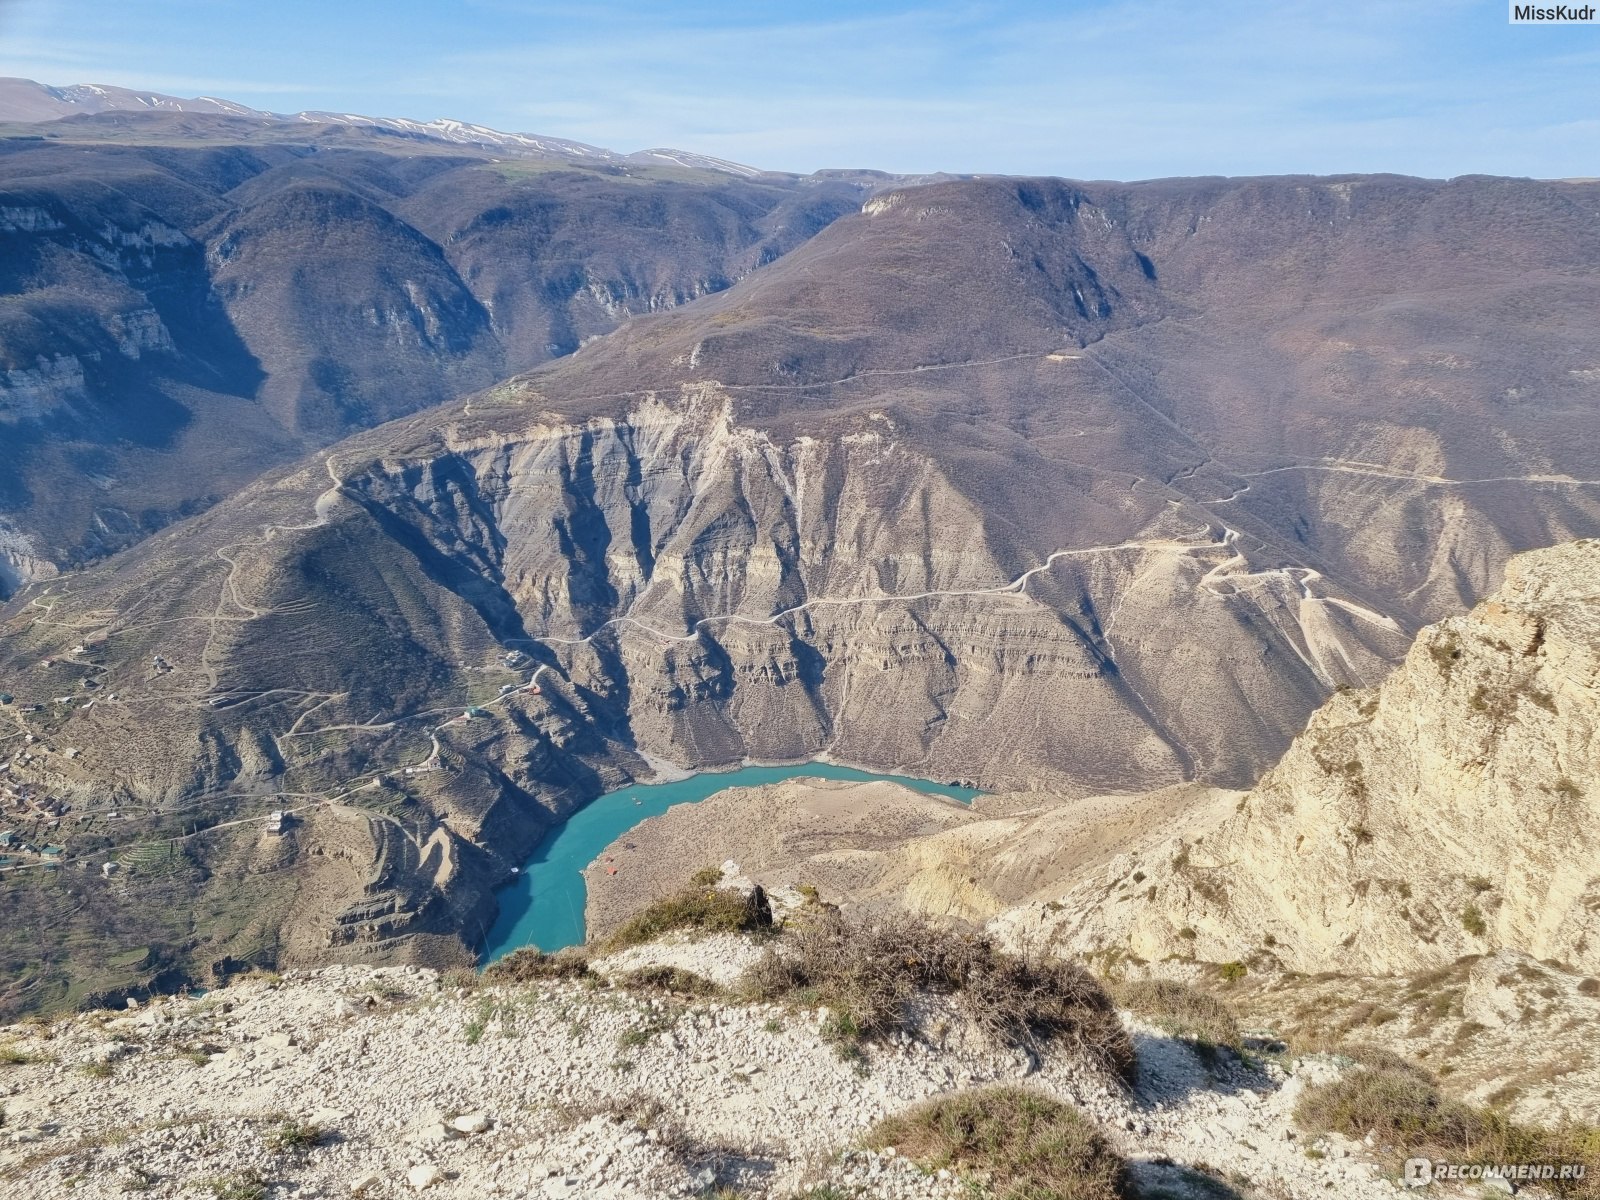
[{"x": 1086, "y": 463}]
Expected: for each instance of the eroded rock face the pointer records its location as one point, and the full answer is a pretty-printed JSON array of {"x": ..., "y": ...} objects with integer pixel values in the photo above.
[
  {"x": 1451, "y": 811},
  {"x": 687, "y": 587},
  {"x": 721, "y": 593}
]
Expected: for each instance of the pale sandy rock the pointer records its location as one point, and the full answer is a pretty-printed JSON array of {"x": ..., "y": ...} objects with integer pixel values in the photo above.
[
  {"x": 1454, "y": 810},
  {"x": 424, "y": 1176},
  {"x": 753, "y": 1095}
]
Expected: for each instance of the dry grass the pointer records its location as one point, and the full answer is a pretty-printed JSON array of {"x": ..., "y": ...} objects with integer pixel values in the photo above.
[
  {"x": 529, "y": 965},
  {"x": 870, "y": 973},
  {"x": 1183, "y": 1011},
  {"x": 13, "y": 1056},
  {"x": 1019, "y": 1144},
  {"x": 1400, "y": 1105},
  {"x": 708, "y": 909},
  {"x": 292, "y": 1136},
  {"x": 673, "y": 980}
]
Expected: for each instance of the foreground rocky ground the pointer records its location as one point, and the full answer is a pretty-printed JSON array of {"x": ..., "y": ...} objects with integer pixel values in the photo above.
[{"x": 394, "y": 1081}]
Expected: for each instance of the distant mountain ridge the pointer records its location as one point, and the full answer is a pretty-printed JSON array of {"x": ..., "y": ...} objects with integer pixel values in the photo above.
[
  {"x": 194, "y": 296},
  {"x": 29, "y": 101}
]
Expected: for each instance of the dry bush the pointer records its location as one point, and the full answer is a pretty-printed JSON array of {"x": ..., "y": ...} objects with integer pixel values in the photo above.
[
  {"x": 1025, "y": 1145},
  {"x": 711, "y": 910},
  {"x": 461, "y": 977},
  {"x": 1399, "y": 1103},
  {"x": 869, "y": 973},
  {"x": 529, "y": 965},
  {"x": 1183, "y": 1011},
  {"x": 660, "y": 978},
  {"x": 637, "y": 1109}
]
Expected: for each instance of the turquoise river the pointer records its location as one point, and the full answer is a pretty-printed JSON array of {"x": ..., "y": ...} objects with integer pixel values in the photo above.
[{"x": 544, "y": 906}]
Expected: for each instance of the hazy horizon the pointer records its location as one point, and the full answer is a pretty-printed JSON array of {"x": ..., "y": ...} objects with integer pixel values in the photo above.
[{"x": 1115, "y": 90}]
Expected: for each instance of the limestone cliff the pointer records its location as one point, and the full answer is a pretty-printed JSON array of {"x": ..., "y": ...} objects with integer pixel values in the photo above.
[{"x": 1453, "y": 810}]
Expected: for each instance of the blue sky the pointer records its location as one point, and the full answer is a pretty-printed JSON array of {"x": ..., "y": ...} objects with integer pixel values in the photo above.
[{"x": 1092, "y": 89}]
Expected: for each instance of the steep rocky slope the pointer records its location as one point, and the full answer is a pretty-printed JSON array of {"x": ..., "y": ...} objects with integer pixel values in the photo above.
[
  {"x": 1450, "y": 811},
  {"x": 1446, "y": 813},
  {"x": 881, "y": 846}
]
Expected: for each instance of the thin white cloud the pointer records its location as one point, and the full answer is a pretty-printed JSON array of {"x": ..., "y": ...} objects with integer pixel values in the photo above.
[{"x": 1094, "y": 87}]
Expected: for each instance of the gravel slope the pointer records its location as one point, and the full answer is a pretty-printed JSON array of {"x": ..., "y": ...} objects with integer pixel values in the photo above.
[{"x": 565, "y": 1090}]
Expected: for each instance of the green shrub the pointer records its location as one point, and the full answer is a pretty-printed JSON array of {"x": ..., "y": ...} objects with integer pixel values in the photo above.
[
  {"x": 292, "y": 1135},
  {"x": 1472, "y": 921},
  {"x": 478, "y": 1024},
  {"x": 1025, "y": 1145}
]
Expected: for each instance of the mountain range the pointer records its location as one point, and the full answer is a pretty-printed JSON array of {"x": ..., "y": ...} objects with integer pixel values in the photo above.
[
  {"x": 25, "y": 101},
  {"x": 442, "y": 493},
  {"x": 196, "y": 296}
]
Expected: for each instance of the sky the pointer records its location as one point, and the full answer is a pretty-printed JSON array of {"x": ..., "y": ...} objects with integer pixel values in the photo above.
[{"x": 1090, "y": 89}]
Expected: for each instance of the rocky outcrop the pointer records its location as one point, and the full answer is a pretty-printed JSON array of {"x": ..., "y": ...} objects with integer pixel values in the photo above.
[{"x": 1450, "y": 811}]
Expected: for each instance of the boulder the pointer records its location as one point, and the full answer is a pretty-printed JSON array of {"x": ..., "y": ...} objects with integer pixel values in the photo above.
[
  {"x": 423, "y": 1176},
  {"x": 472, "y": 1122}
]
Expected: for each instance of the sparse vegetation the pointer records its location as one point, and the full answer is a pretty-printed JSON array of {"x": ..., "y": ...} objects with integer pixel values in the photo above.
[
  {"x": 710, "y": 910},
  {"x": 706, "y": 877},
  {"x": 1472, "y": 921},
  {"x": 867, "y": 973},
  {"x": 1445, "y": 651},
  {"x": 1540, "y": 698},
  {"x": 1025, "y": 1145},
  {"x": 478, "y": 1023},
  {"x": 292, "y": 1136},
  {"x": 673, "y": 980},
  {"x": 464, "y": 978},
  {"x": 1400, "y": 1105},
  {"x": 1232, "y": 972},
  {"x": 530, "y": 965},
  {"x": 1183, "y": 1011},
  {"x": 242, "y": 1185}
]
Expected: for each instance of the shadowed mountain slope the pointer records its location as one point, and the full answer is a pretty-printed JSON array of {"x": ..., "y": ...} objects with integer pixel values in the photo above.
[{"x": 184, "y": 307}]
